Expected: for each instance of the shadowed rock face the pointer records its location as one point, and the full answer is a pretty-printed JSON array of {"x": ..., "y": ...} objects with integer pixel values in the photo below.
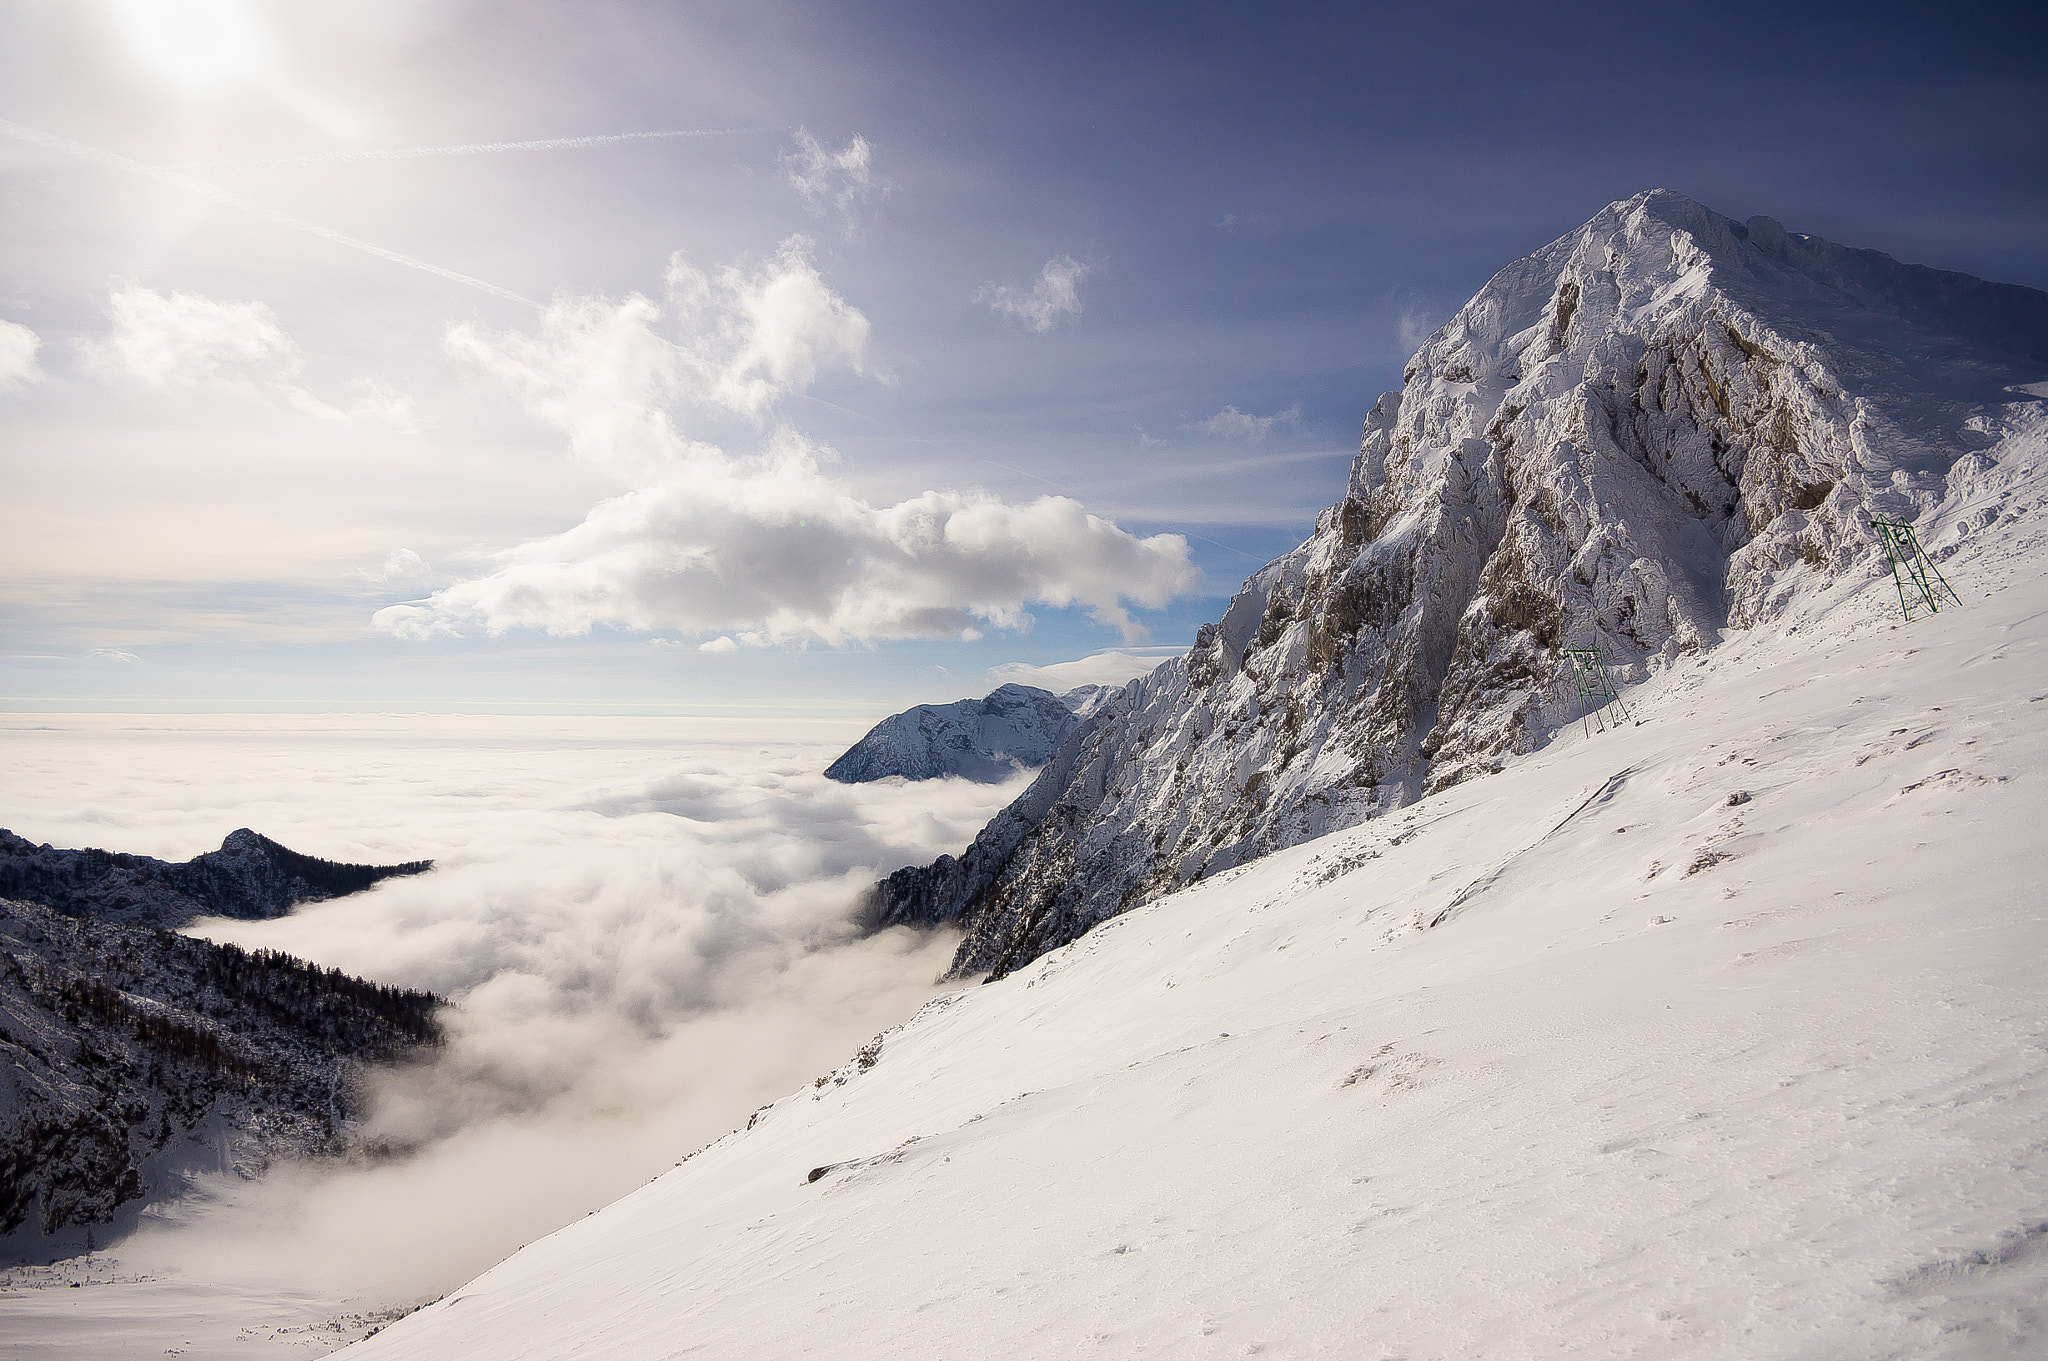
[
  {"x": 986, "y": 740},
  {"x": 1660, "y": 425},
  {"x": 129, "y": 1051},
  {"x": 250, "y": 877}
]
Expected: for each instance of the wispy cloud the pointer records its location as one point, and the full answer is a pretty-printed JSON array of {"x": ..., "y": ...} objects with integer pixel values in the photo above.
[
  {"x": 1230, "y": 423},
  {"x": 401, "y": 568},
  {"x": 187, "y": 342},
  {"x": 169, "y": 341},
  {"x": 462, "y": 149},
  {"x": 1414, "y": 327},
  {"x": 764, "y": 547},
  {"x": 179, "y": 180},
  {"x": 18, "y": 346},
  {"x": 1113, "y": 666},
  {"x": 842, "y": 182},
  {"x": 1054, "y": 294},
  {"x": 119, "y": 656}
]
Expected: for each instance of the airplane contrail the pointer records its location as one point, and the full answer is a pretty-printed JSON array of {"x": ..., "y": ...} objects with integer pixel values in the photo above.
[
  {"x": 50, "y": 141},
  {"x": 464, "y": 149}
]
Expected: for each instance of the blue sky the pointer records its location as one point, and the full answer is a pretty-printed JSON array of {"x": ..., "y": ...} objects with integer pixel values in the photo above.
[{"x": 918, "y": 267}]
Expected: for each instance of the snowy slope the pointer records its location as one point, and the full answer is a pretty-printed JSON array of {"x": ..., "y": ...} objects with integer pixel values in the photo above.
[
  {"x": 1720, "y": 1035},
  {"x": 1661, "y": 424},
  {"x": 1014, "y": 727}
]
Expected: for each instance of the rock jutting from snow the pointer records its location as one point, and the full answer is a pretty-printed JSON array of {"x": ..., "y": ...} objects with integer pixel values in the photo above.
[
  {"x": 1015, "y": 727},
  {"x": 1661, "y": 425},
  {"x": 250, "y": 876}
]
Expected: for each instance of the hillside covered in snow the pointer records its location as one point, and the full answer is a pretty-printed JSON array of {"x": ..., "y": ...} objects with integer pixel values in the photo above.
[
  {"x": 1719, "y": 1035},
  {"x": 1014, "y": 727},
  {"x": 1662, "y": 425}
]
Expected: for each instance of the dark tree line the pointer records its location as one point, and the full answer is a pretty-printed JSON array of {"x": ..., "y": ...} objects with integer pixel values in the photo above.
[{"x": 320, "y": 1001}]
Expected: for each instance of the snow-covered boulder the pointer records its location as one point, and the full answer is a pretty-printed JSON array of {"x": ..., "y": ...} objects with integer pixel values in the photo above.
[
  {"x": 1662, "y": 425},
  {"x": 1015, "y": 727}
]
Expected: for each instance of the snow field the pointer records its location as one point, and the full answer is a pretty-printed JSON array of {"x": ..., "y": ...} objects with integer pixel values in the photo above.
[{"x": 1729, "y": 1041}]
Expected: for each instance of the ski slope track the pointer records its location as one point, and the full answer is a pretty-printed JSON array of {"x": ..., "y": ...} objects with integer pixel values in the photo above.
[
  {"x": 1660, "y": 425},
  {"x": 1719, "y": 1034}
]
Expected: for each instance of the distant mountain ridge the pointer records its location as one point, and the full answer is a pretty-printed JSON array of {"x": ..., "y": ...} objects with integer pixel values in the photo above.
[
  {"x": 1014, "y": 727},
  {"x": 1661, "y": 425},
  {"x": 250, "y": 877}
]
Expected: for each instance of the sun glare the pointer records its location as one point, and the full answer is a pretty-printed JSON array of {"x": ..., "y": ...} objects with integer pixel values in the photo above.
[{"x": 196, "y": 47}]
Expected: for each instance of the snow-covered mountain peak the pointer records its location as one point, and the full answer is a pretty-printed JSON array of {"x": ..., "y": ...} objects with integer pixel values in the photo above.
[
  {"x": 1659, "y": 426},
  {"x": 1012, "y": 728}
]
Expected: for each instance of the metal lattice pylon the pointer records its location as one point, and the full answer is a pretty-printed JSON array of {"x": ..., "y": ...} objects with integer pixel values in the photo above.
[
  {"x": 1594, "y": 686},
  {"x": 1909, "y": 562}
]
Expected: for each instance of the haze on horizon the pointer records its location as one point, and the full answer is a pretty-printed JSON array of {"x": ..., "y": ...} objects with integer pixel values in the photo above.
[{"x": 780, "y": 358}]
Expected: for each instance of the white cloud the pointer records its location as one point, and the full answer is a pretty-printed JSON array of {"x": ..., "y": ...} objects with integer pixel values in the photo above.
[
  {"x": 1113, "y": 666},
  {"x": 187, "y": 342},
  {"x": 720, "y": 644},
  {"x": 373, "y": 401},
  {"x": 646, "y": 924},
  {"x": 18, "y": 346},
  {"x": 119, "y": 656},
  {"x": 767, "y": 546},
  {"x": 601, "y": 371},
  {"x": 1054, "y": 294},
  {"x": 759, "y": 335},
  {"x": 183, "y": 340},
  {"x": 773, "y": 546},
  {"x": 1230, "y": 423},
  {"x": 1415, "y": 327},
  {"x": 841, "y": 181},
  {"x": 402, "y": 567}
]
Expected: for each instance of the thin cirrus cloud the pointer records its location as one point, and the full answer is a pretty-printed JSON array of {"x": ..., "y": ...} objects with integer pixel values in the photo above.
[
  {"x": 179, "y": 180},
  {"x": 1230, "y": 423},
  {"x": 842, "y": 182},
  {"x": 761, "y": 548},
  {"x": 1111, "y": 667},
  {"x": 462, "y": 149},
  {"x": 1055, "y": 293},
  {"x": 18, "y": 346}
]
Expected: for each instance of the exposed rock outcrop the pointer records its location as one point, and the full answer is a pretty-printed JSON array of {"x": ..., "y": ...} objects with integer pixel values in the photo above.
[
  {"x": 1658, "y": 426},
  {"x": 122, "y": 1045}
]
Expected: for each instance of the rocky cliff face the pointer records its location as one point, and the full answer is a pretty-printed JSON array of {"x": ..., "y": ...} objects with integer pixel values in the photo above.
[
  {"x": 1658, "y": 426},
  {"x": 121, "y": 1045},
  {"x": 988, "y": 740},
  {"x": 250, "y": 877}
]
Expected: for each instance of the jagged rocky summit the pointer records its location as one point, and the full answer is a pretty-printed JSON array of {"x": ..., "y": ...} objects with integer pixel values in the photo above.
[
  {"x": 1014, "y": 727},
  {"x": 250, "y": 876},
  {"x": 1660, "y": 425}
]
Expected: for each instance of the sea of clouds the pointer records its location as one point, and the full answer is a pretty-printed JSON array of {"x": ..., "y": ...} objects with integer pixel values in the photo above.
[{"x": 644, "y": 925}]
